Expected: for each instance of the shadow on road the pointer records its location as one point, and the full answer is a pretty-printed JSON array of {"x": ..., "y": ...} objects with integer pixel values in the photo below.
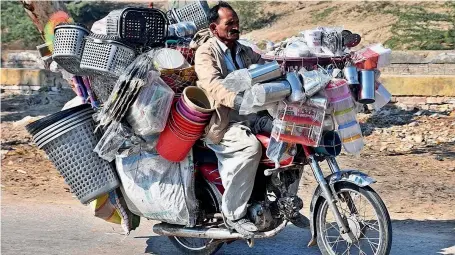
[{"x": 409, "y": 237}]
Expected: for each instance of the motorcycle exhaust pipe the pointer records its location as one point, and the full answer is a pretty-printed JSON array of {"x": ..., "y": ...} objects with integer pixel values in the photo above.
[{"x": 166, "y": 229}]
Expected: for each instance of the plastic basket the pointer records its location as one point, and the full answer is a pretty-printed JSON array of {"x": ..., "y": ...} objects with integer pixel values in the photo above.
[
  {"x": 298, "y": 123},
  {"x": 310, "y": 63},
  {"x": 196, "y": 12},
  {"x": 179, "y": 79},
  {"x": 69, "y": 143},
  {"x": 144, "y": 26},
  {"x": 106, "y": 55},
  {"x": 69, "y": 45}
]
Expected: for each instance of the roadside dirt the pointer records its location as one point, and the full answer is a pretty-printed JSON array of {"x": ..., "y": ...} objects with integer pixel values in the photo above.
[{"x": 415, "y": 178}]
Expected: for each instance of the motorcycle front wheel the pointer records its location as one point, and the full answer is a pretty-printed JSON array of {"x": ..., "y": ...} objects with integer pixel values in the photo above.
[{"x": 367, "y": 217}]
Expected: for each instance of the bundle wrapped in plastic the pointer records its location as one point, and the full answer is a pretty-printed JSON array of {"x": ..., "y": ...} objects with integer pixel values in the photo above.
[
  {"x": 238, "y": 80},
  {"x": 270, "y": 92},
  {"x": 112, "y": 140},
  {"x": 126, "y": 89},
  {"x": 314, "y": 81},
  {"x": 278, "y": 151},
  {"x": 158, "y": 189},
  {"x": 149, "y": 113},
  {"x": 372, "y": 57},
  {"x": 332, "y": 41}
]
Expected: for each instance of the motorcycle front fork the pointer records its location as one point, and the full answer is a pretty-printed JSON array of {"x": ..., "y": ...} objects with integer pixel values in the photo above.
[{"x": 330, "y": 194}]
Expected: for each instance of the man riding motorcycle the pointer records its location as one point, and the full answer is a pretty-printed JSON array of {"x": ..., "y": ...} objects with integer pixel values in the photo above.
[{"x": 230, "y": 135}]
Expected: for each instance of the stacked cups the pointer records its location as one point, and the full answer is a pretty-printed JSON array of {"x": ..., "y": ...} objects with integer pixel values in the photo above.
[{"x": 187, "y": 120}]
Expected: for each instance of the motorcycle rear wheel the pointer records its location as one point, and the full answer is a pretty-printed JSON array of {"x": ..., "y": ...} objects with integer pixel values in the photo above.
[
  {"x": 201, "y": 246},
  {"x": 372, "y": 228}
]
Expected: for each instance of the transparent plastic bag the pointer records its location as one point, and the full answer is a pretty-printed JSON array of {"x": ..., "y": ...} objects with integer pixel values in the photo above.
[
  {"x": 332, "y": 41},
  {"x": 238, "y": 80},
  {"x": 112, "y": 140},
  {"x": 149, "y": 112},
  {"x": 270, "y": 92},
  {"x": 278, "y": 151},
  {"x": 314, "y": 81}
]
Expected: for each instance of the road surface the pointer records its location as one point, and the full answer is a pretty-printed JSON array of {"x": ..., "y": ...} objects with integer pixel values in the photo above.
[{"x": 48, "y": 228}]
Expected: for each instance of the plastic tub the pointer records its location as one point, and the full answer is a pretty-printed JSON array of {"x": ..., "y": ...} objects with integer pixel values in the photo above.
[
  {"x": 197, "y": 99},
  {"x": 336, "y": 88},
  {"x": 345, "y": 116},
  {"x": 330, "y": 144},
  {"x": 293, "y": 133},
  {"x": 172, "y": 146},
  {"x": 351, "y": 137},
  {"x": 342, "y": 103}
]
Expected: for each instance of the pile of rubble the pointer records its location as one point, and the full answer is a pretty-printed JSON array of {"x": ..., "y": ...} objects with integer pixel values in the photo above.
[{"x": 393, "y": 130}]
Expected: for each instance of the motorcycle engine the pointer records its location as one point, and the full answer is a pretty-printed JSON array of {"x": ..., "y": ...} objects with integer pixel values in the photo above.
[{"x": 260, "y": 215}]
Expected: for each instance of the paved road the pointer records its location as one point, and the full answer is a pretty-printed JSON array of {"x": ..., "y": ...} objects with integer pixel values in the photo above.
[{"x": 71, "y": 229}]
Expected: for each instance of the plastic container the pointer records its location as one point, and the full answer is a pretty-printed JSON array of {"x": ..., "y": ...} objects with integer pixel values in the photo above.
[
  {"x": 300, "y": 114},
  {"x": 336, "y": 88},
  {"x": 346, "y": 116},
  {"x": 106, "y": 55},
  {"x": 196, "y": 12},
  {"x": 150, "y": 111},
  {"x": 197, "y": 99},
  {"x": 382, "y": 96},
  {"x": 138, "y": 25},
  {"x": 69, "y": 45},
  {"x": 290, "y": 132},
  {"x": 330, "y": 144},
  {"x": 351, "y": 137},
  {"x": 69, "y": 143}
]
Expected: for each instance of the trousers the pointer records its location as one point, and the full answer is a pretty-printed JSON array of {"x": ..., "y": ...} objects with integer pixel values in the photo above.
[{"x": 238, "y": 153}]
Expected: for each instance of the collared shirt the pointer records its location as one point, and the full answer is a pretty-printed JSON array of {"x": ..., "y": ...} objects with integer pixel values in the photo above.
[{"x": 228, "y": 56}]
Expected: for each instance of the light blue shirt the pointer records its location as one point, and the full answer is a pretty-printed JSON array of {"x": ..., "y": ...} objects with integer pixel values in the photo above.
[{"x": 228, "y": 56}]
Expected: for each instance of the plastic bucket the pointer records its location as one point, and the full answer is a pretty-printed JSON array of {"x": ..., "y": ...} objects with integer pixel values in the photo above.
[
  {"x": 188, "y": 115},
  {"x": 172, "y": 146},
  {"x": 330, "y": 144},
  {"x": 186, "y": 124},
  {"x": 197, "y": 99},
  {"x": 187, "y": 108}
]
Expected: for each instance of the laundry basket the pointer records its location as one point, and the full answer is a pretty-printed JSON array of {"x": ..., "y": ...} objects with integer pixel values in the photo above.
[
  {"x": 68, "y": 46},
  {"x": 196, "y": 12},
  {"x": 144, "y": 26},
  {"x": 106, "y": 55},
  {"x": 69, "y": 144}
]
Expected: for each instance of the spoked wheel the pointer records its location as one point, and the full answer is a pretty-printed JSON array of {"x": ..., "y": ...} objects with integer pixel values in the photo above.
[
  {"x": 368, "y": 220},
  {"x": 201, "y": 246}
]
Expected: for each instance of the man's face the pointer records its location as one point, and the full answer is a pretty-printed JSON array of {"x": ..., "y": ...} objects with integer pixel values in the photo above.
[{"x": 227, "y": 28}]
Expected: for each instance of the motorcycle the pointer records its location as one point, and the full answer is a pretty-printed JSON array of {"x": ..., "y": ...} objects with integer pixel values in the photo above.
[{"x": 346, "y": 214}]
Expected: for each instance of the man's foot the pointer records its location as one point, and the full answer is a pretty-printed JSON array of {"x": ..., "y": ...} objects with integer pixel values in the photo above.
[
  {"x": 242, "y": 226},
  {"x": 300, "y": 221}
]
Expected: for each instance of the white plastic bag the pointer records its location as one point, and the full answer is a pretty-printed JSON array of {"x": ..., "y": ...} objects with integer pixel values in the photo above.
[
  {"x": 238, "y": 80},
  {"x": 158, "y": 189}
]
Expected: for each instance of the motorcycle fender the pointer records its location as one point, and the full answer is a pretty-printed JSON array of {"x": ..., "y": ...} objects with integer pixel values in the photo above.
[{"x": 353, "y": 176}]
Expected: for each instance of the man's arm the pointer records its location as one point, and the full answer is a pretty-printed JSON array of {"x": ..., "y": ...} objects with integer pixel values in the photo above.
[{"x": 210, "y": 78}]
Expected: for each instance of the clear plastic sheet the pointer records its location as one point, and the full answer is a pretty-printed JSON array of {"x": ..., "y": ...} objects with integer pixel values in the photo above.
[
  {"x": 332, "y": 41},
  {"x": 270, "y": 92},
  {"x": 278, "y": 151},
  {"x": 238, "y": 80},
  {"x": 149, "y": 113},
  {"x": 126, "y": 89},
  {"x": 247, "y": 106},
  {"x": 112, "y": 140},
  {"x": 314, "y": 81},
  {"x": 158, "y": 189}
]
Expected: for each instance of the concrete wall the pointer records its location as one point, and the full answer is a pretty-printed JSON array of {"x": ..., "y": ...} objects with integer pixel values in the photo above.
[{"x": 34, "y": 79}]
